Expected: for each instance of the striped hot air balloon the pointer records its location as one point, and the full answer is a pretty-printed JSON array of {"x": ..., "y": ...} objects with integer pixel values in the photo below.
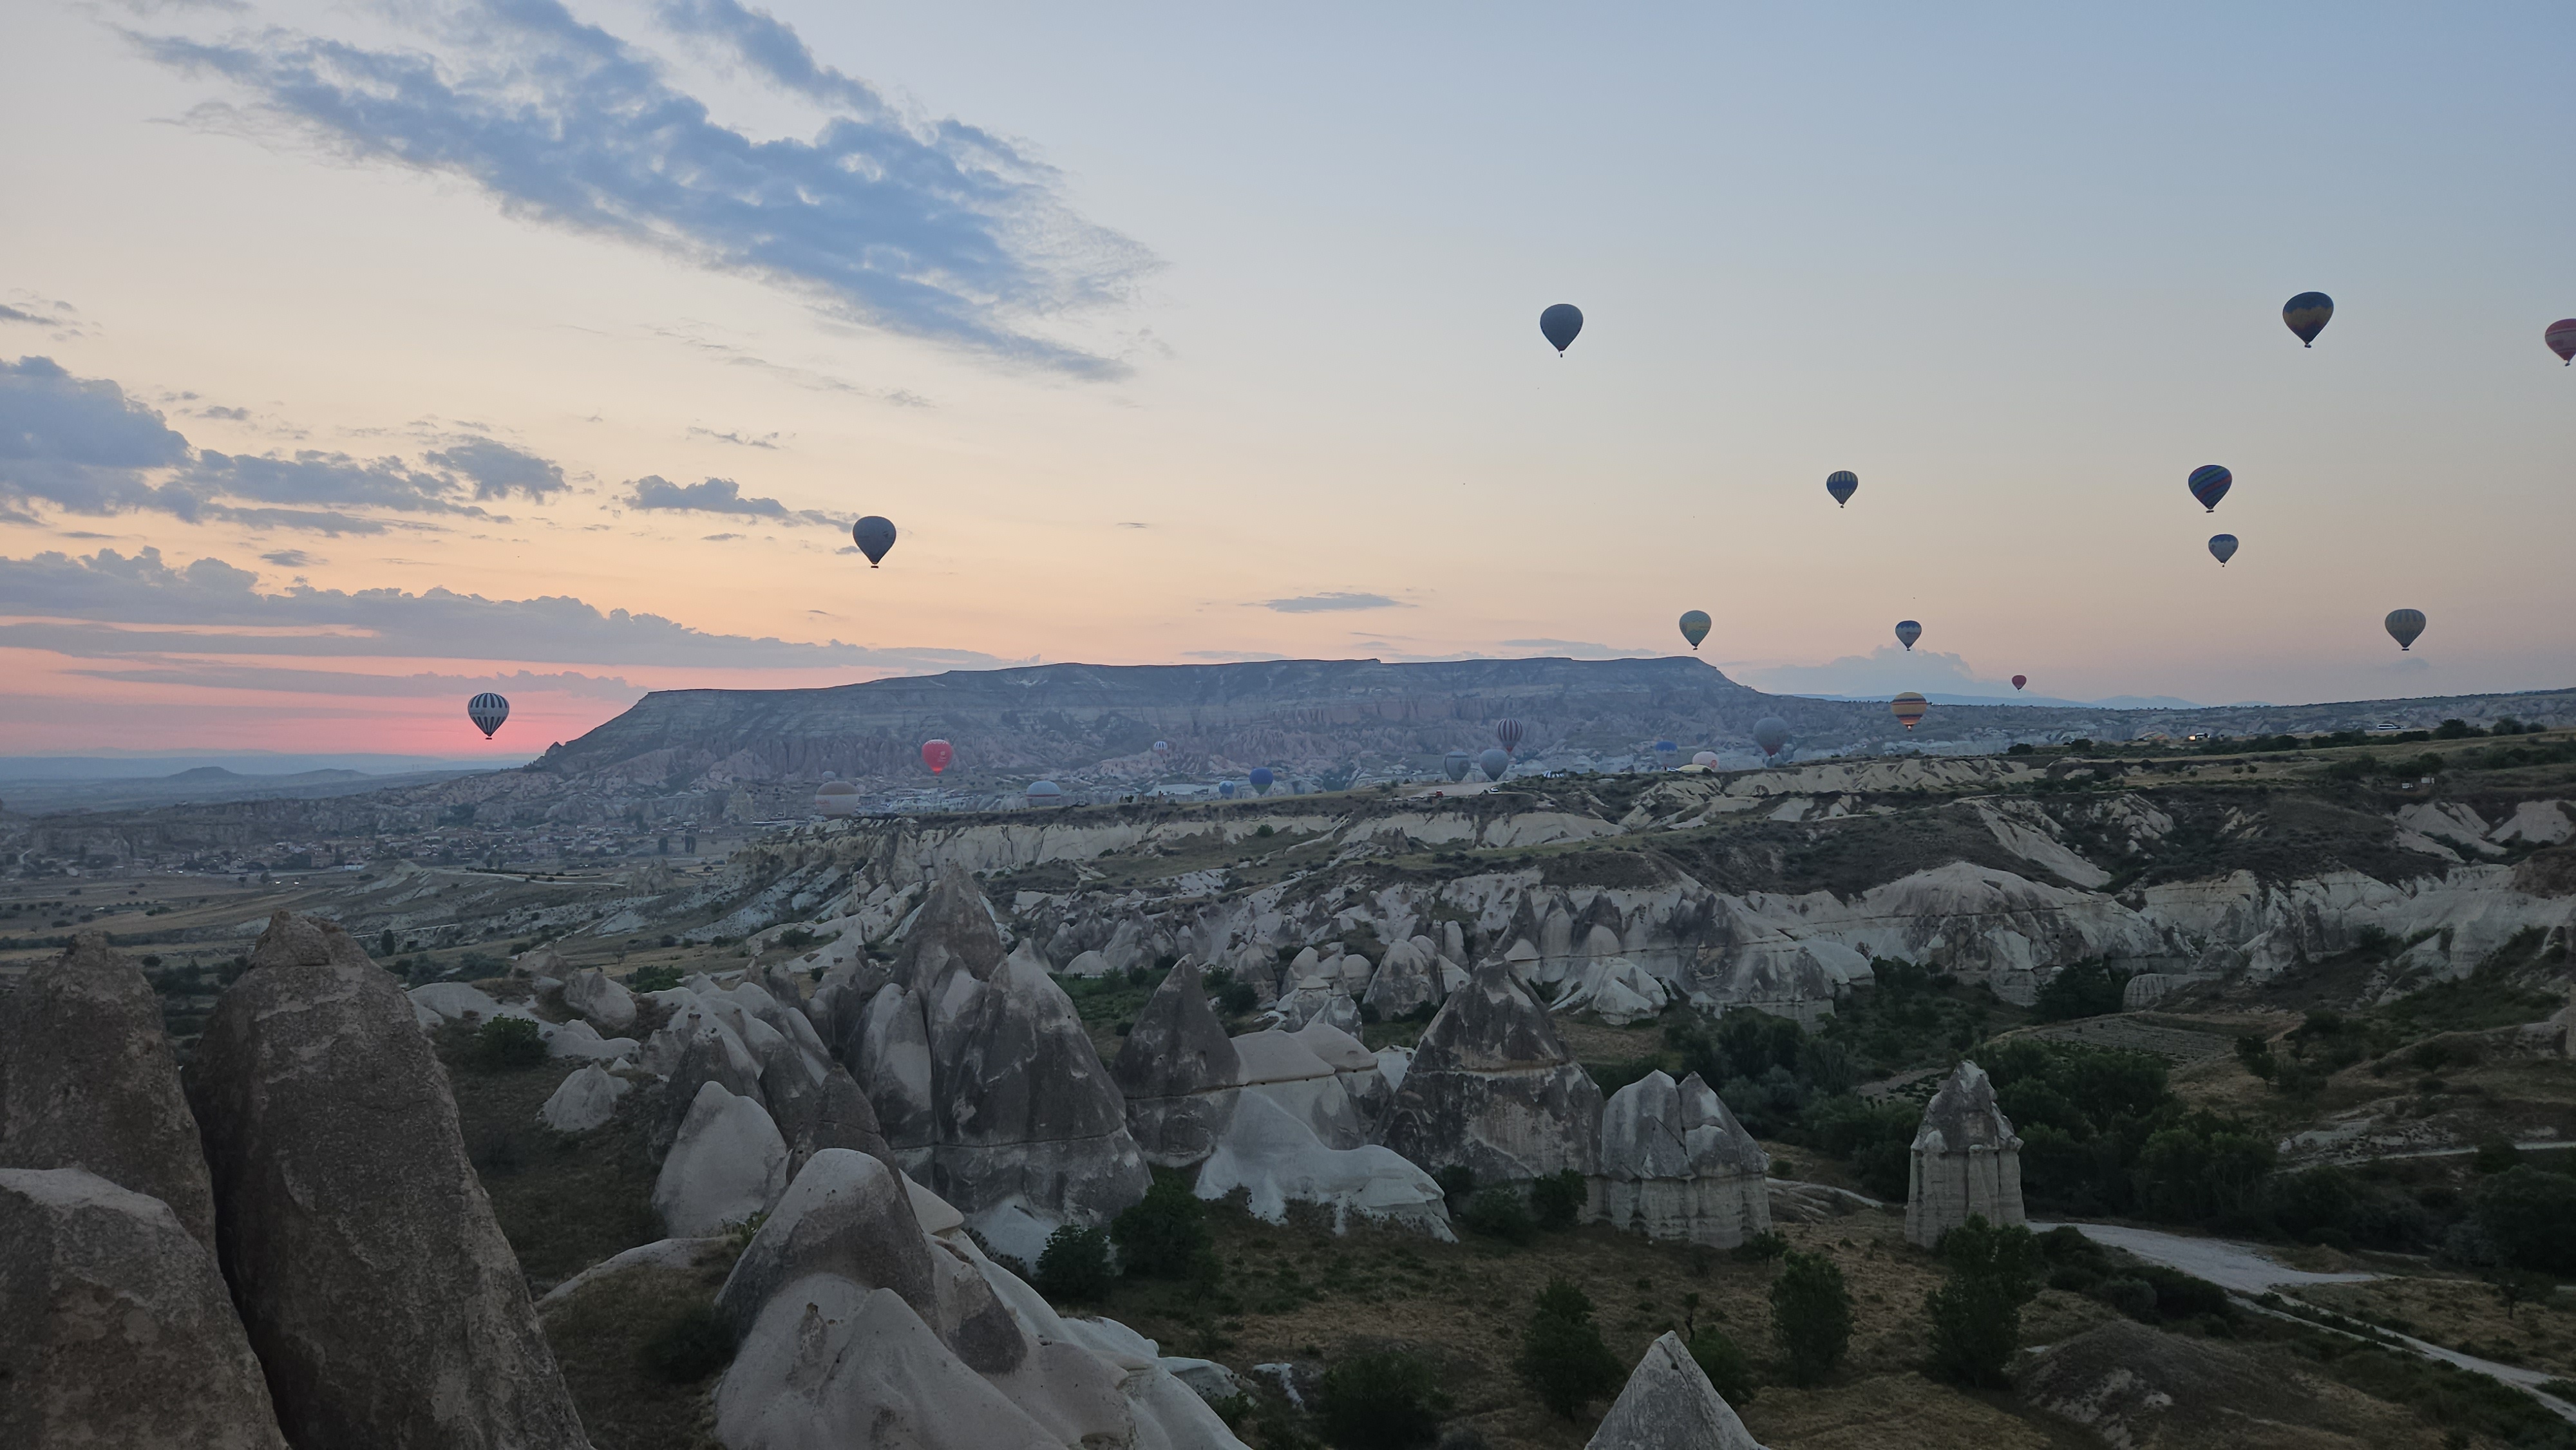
[
  {"x": 1842, "y": 483},
  {"x": 2307, "y": 315},
  {"x": 2404, "y": 625},
  {"x": 2561, "y": 338},
  {"x": 487, "y": 711},
  {"x": 1508, "y": 733},
  {"x": 1907, "y": 632},
  {"x": 2222, "y": 547},
  {"x": 2209, "y": 483},
  {"x": 1908, "y": 708},
  {"x": 1263, "y": 778}
]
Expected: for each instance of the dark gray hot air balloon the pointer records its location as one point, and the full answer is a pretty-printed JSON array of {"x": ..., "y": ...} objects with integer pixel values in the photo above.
[
  {"x": 1559, "y": 324},
  {"x": 2222, "y": 547},
  {"x": 1771, "y": 732},
  {"x": 1842, "y": 483},
  {"x": 874, "y": 536},
  {"x": 2307, "y": 315},
  {"x": 1493, "y": 763},
  {"x": 1907, "y": 632},
  {"x": 2404, "y": 625},
  {"x": 488, "y": 710},
  {"x": 1455, "y": 764}
]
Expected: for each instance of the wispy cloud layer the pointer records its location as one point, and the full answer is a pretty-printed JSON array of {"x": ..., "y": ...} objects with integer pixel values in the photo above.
[
  {"x": 934, "y": 229},
  {"x": 1326, "y": 603},
  {"x": 218, "y": 676},
  {"x": 715, "y": 496},
  {"x": 108, "y": 605}
]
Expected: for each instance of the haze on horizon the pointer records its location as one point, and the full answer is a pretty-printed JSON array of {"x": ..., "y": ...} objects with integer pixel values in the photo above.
[{"x": 356, "y": 358}]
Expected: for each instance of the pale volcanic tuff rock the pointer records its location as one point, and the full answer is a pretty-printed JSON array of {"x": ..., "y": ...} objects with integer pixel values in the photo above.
[
  {"x": 342, "y": 1188},
  {"x": 1177, "y": 1071},
  {"x": 115, "y": 1327},
  {"x": 1275, "y": 1159},
  {"x": 585, "y": 1100},
  {"x": 601, "y": 999},
  {"x": 1668, "y": 1404},
  {"x": 87, "y": 1081},
  {"x": 727, "y": 1165},
  {"x": 1675, "y": 1164},
  {"x": 1966, "y": 1161},
  {"x": 1494, "y": 1089}
]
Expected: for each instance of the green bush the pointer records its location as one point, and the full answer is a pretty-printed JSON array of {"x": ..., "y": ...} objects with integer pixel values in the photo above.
[
  {"x": 654, "y": 979},
  {"x": 1811, "y": 1315},
  {"x": 1384, "y": 1401},
  {"x": 2530, "y": 1218},
  {"x": 1761, "y": 1248},
  {"x": 693, "y": 1345},
  {"x": 2086, "y": 989},
  {"x": 1500, "y": 1213},
  {"x": 507, "y": 1042},
  {"x": 1074, "y": 1265},
  {"x": 1165, "y": 1236},
  {"x": 1563, "y": 1359},
  {"x": 1728, "y": 1369},
  {"x": 1557, "y": 1200},
  {"x": 1976, "y": 1315}
]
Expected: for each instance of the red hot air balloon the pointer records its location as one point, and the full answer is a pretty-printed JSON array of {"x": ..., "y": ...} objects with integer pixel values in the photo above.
[
  {"x": 936, "y": 754},
  {"x": 1509, "y": 733},
  {"x": 2561, "y": 337},
  {"x": 2020, "y": 680}
]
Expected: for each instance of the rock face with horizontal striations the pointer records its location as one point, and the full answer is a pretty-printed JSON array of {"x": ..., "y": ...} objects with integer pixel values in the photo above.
[
  {"x": 1493, "y": 1088},
  {"x": 87, "y": 1081},
  {"x": 1675, "y": 1164},
  {"x": 1966, "y": 1161},
  {"x": 1668, "y": 1404},
  {"x": 1177, "y": 1071},
  {"x": 380, "y": 1296},
  {"x": 115, "y": 1328}
]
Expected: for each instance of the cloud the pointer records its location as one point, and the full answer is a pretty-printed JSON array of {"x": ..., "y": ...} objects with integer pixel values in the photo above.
[
  {"x": 1882, "y": 672},
  {"x": 218, "y": 676},
  {"x": 765, "y": 440},
  {"x": 81, "y": 443},
  {"x": 1576, "y": 648},
  {"x": 1231, "y": 656},
  {"x": 290, "y": 559},
  {"x": 720, "y": 538},
  {"x": 111, "y": 606},
  {"x": 42, "y": 313},
  {"x": 653, "y": 492},
  {"x": 499, "y": 470},
  {"x": 1323, "y": 603},
  {"x": 1125, "y": 525},
  {"x": 933, "y": 229},
  {"x": 12, "y": 314},
  {"x": 232, "y": 415}
]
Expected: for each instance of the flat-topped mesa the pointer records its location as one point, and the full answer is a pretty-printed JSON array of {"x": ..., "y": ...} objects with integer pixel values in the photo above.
[
  {"x": 1178, "y": 1070},
  {"x": 1494, "y": 1089},
  {"x": 1675, "y": 1164},
  {"x": 1967, "y": 1160}
]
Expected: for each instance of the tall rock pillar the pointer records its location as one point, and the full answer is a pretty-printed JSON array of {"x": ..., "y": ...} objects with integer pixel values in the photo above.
[{"x": 1966, "y": 1161}]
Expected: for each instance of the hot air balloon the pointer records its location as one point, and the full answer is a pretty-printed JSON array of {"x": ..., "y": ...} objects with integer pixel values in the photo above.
[
  {"x": 1455, "y": 764},
  {"x": 487, "y": 711},
  {"x": 2222, "y": 547},
  {"x": 1225, "y": 789},
  {"x": 836, "y": 800},
  {"x": 936, "y": 754},
  {"x": 1162, "y": 752},
  {"x": 1493, "y": 763},
  {"x": 1262, "y": 778},
  {"x": 1770, "y": 732},
  {"x": 874, "y": 536},
  {"x": 1045, "y": 793},
  {"x": 1559, "y": 324},
  {"x": 1665, "y": 748},
  {"x": 1907, "y": 708},
  {"x": 1509, "y": 733},
  {"x": 2404, "y": 625},
  {"x": 1695, "y": 627},
  {"x": 2307, "y": 315},
  {"x": 1842, "y": 483},
  {"x": 1907, "y": 632},
  {"x": 2210, "y": 483},
  {"x": 1706, "y": 760},
  {"x": 2020, "y": 680},
  {"x": 2561, "y": 337}
]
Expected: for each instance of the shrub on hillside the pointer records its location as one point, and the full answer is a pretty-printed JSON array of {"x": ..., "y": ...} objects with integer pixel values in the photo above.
[
  {"x": 693, "y": 1345},
  {"x": 1388, "y": 1400},
  {"x": 653, "y": 979},
  {"x": 1499, "y": 1213},
  {"x": 1166, "y": 1235},
  {"x": 1563, "y": 1359},
  {"x": 506, "y": 1042},
  {"x": 1811, "y": 1314},
  {"x": 1556, "y": 1201},
  {"x": 1976, "y": 1314},
  {"x": 2529, "y": 1217},
  {"x": 1725, "y": 1363},
  {"x": 1074, "y": 1265}
]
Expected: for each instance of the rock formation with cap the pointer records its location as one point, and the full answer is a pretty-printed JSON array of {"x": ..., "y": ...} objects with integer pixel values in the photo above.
[
  {"x": 1675, "y": 1164},
  {"x": 1494, "y": 1089},
  {"x": 1966, "y": 1161}
]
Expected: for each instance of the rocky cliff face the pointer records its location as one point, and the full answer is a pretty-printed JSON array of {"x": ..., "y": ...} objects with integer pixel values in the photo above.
[
  {"x": 1493, "y": 1088},
  {"x": 1967, "y": 1161}
]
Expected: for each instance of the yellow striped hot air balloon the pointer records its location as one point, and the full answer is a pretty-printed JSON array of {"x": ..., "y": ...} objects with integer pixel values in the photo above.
[{"x": 1907, "y": 708}]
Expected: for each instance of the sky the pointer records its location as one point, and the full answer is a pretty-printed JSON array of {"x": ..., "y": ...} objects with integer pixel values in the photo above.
[{"x": 356, "y": 357}]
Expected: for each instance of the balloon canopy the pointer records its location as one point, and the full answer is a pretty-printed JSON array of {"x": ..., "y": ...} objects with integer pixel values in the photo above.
[
  {"x": 1493, "y": 763},
  {"x": 2561, "y": 338},
  {"x": 487, "y": 711},
  {"x": 1842, "y": 483},
  {"x": 1695, "y": 627},
  {"x": 2222, "y": 547},
  {"x": 1706, "y": 759},
  {"x": 1263, "y": 779},
  {"x": 2020, "y": 680},
  {"x": 1045, "y": 793},
  {"x": 1770, "y": 732},
  {"x": 936, "y": 754},
  {"x": 1559, "y": 324},
  {"x": 1907, "y": 632},
  {"x": 2209, "y": 483},
  {"x": 2404, "y": 625},
  {"x": 836, "y": 799},
  {"x": 1225, "y": 789},
  {"x": 2307, "y": 315},
  {"x": 874, "y": 536},
  {"x": 1455, "y": 764},
  {"x": 1907, "y": 708},
  {"x": 1509, "y": 733}
]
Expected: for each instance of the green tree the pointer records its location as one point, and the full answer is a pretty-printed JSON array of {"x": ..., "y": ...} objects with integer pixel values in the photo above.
[
  {"x": 1563, "y": 1358},
  {"x": 1811, "y": 1315},
  {"x": 1074, "y": 1265},
  {"x": 2530, "y": 1218},
  {"x": 509, "y": 1042},
  {"x": 1556, "y": 1200},
  {"x": 1384, "y": 1401},
  {"x": 1166, "y": 1235},
  {"x": 1976, "y": 1315},
  {"x": 1729, "y": 1369}
]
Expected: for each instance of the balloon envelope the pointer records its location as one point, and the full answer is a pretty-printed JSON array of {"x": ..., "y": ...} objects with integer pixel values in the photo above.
[
  {"x": 2209, "y": 483},
  {"x": 487, "y": 711},
  {"x": 1045, "y": 793},
  {"x": 1695, "y": 627},
  {"x": 1559, "y": 324},
  {"x": 1907, "y": 632},
  {"x": 1162, "y": 750},
  {"x": 1455, "y": 764},
  {"x": 1493, "y": 763},
  {"x": 1509, "y": 733},
  {"x": 1225, "y": 788},
  {"x": 2404, "y": 625},
  {"x": 2222, "y": 547},
  {"x": 2561, "y": 337},
  {"x": 1842, "y": 483},
  {"x": 836, "y": 799},
  {"x": 2020, "y": 680},
  {"x": 1907, "y": 708},
  {"x": 1706, "y": 758},
  {"x": 936, "y": 754},
  {"x": 1770, "y": 732},
  {"x": 1262, "y": 779},
  {"x": 874, "y": 536},
  {"x": 2307, "y": 314}
]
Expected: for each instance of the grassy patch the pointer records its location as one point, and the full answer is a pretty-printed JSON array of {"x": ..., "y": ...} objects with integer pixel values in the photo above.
[
  {"x": 564, "y": 1201},
  {"x": 613, "y": 1339}
]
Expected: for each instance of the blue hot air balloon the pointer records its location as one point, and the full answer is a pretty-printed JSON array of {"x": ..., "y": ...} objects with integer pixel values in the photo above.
[
  {"x": 2210, "y": 483},
  {"x": 1842, "y": 483},
  {"x": 2307, "y": 315},
  {"x": 1225, "y": 789},
  {"x": 1493, "y": 763},
  {"x": 2222, "y": 547},
  {"x": 1455, "y": 763},
  {"x": 1695, "y": 626},
  {"x": 1559, "y": 324},
  {"x": 874, "y": 536},
  {"x": 1907, "y": 632},
  {"x": 1262, "y": 779},
  {"x": 487, "y": 711}
]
